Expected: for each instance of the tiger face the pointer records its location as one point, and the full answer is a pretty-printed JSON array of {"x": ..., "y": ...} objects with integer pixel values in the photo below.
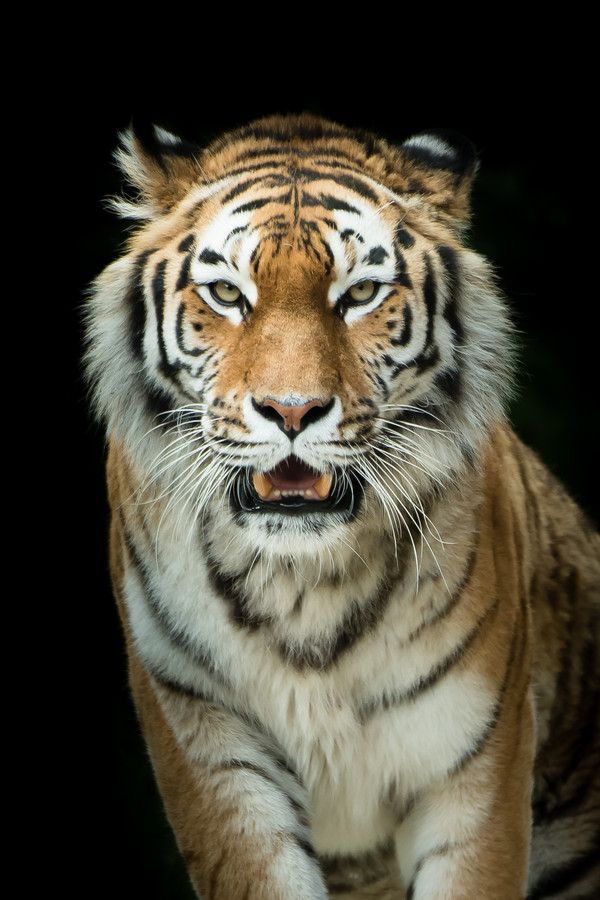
[{"x": 297, "y": 326}]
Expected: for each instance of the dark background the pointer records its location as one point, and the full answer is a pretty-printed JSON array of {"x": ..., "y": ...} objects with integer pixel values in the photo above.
[{"x": 529, "y": 208}]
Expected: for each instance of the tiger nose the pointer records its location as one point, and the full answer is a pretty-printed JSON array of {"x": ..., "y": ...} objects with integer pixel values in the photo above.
[{"x": 293, "y": 418}]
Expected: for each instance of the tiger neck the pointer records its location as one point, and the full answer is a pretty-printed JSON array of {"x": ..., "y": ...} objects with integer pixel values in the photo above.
[{"x": 299, "y": 596}]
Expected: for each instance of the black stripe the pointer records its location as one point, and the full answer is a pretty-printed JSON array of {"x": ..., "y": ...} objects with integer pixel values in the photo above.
[
  {"x": 355, "y": 184},
  {"x": 227, "y": 588},
  {"x": 359, "y": 620},
  {"x": 238, "y": 189},
  {"x": 328, "y": 201},
  {"x": 257, "y": 152},
  {"x": 401, "y": 276},
  {"x": 287, "y": 150},
  {"x": 158, "y": 402},
  {"x": 432, "y": 416},
  {"x": 245, "y": 765},
  {"x": 262, "y": 201},
  {"x": 255, "y": 167},
  {"x": 176, "y": 635},
  {"x": 237, "y": 230},
  {"x": 566, "y": 791},
  {"x": 186, "y": 243},
  {"x": 425, "y": 360},
  {"x": 347, "y": 181},
  {"x": 449, "y": 382},
  {"x": 158, "y": 293},
  {"x": 178, "y": 688},
  {"x": 304, "y": 845},
  {"x": 285, "y": 132},
  {"x": 532, "y": 504},
  {"x": 430, "y": 300},
  {"x": 211, "y": 257},
  {"x": 179, "y": 335},
  {"x": 449, "y": 259},
  {"x": 563, "y": 877},
  {"x": 433, "y": 677},
  {"x": 517, "y": 641},
  {"x": 376, "y": 256},
  {"x": 453, "y": 600},
  {"x": 405, "y": 335},
  {"x": 184, "y": 273},
  {"x": 136, "y": 305},
  {"x": 330, "y": 257},
  {"x": 380, "y": 383},
  {"x": 404, "y": 237}
]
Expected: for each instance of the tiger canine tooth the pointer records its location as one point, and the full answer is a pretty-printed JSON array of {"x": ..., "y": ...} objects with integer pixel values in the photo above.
[
  {"x": 323, "y": 485},
  {"x": 262, "y": 485}
]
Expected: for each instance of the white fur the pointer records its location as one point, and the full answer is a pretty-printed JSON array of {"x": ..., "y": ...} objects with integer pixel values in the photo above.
[{"x": 433, "y": 143}]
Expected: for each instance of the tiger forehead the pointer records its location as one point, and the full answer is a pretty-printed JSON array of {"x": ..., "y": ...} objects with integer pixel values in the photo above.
[{"x": 295, "y": 208}]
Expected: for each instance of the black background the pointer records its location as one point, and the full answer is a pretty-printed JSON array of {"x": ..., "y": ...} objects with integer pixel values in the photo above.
[{"x": 530, "y": 203}]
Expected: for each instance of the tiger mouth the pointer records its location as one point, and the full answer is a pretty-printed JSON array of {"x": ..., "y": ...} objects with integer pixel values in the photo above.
[
  {"x": 292, "y": 478},
  {"x": 294, "y": 488}
]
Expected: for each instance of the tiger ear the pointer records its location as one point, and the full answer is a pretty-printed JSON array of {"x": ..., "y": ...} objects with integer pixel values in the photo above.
[
  {"x": 159, "y": 166},
  {"x": 441, "y": 165}
]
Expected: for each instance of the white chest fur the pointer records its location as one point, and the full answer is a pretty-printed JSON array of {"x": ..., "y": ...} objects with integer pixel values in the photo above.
[{"x": 360, "y": 760}]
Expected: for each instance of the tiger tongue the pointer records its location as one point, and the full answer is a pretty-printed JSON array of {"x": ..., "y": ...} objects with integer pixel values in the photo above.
[{"x": 292, "y": 474}]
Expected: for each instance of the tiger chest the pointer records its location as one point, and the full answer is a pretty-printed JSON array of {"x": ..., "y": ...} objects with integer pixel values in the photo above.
[{"x": 362, "y": 743}]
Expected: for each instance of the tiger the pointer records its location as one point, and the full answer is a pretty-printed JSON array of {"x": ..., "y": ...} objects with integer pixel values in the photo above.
[{"x": 360, "y": 616}]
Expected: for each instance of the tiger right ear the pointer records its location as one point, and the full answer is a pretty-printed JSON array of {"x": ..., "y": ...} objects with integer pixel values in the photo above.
[
  {"x": 441, "y": 165},
  {"x": 161, "y": 168}
]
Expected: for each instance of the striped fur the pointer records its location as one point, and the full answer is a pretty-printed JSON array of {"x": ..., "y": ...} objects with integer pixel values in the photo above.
[{"x": 398, "y": 701}]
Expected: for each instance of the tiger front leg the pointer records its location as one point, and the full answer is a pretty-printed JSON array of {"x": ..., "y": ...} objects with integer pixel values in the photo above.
[
  {"x": 470, "y": 835},
  {"x": 238, "y": 814}
]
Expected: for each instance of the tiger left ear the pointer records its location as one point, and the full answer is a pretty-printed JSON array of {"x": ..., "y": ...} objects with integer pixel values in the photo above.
[
  {"x": 161, "y": 168},
  {"x": 441, "y": 165}
]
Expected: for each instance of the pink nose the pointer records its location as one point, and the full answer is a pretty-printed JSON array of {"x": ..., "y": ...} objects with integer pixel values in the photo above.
[{"x": 293, "y": 418}]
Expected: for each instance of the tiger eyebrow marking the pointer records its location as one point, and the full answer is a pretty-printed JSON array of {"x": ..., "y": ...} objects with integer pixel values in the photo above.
[
  {"x": 349, "y": 232},
  {"x": 211, "y": 257},
  {"x": 376, "y": 256}
]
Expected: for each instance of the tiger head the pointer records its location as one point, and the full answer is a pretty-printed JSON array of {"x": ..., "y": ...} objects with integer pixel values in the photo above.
[{"x": 297, "y": 326}]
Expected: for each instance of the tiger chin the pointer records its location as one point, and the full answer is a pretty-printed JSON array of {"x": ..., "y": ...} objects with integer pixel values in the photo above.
[{"x": 361, "y": 617}]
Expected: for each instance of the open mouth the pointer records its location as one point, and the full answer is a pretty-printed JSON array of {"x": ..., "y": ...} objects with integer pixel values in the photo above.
[{"x": 294, "y": 488}]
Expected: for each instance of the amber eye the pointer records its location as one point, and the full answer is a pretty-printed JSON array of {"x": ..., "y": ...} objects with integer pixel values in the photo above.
[
  {"x": 363, "y": 291},
  {"x": 224, "y": 292}
]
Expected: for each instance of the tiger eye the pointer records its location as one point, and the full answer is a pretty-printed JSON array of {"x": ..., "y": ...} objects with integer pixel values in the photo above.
[
  {"x": 225, "y": 292},
  {"x": 363, "y": 291}
]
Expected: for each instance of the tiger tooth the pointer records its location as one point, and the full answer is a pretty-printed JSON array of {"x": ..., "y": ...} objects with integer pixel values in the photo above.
[
  {"x": 322, "y": 485},
  {"x": 262, "y": 485}
]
